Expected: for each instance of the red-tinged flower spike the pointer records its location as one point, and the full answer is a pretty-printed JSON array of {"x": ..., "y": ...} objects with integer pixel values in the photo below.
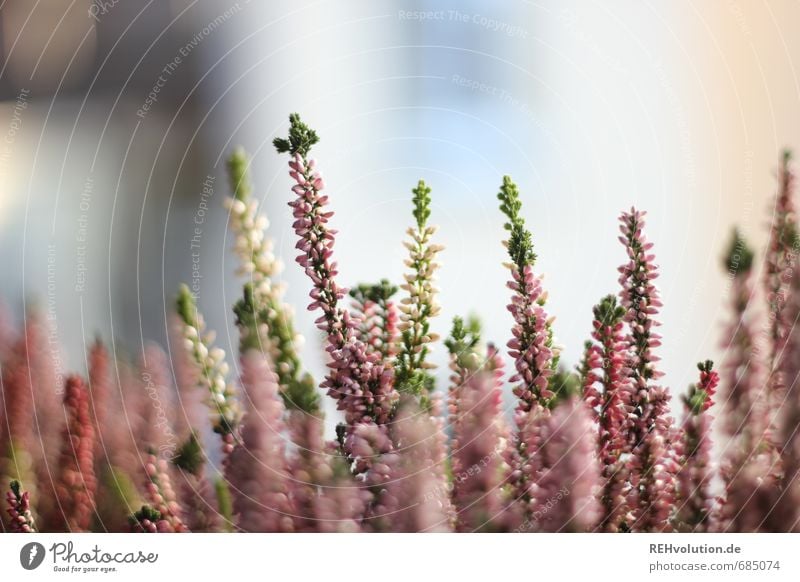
[
  {"x": 100, "y": 392},
  {"x": 652, "y": 464},
  {"x": 17, "y": 439},
  {"x": 607, "y": 392},
  {"x": 377, "y": 314},
  {"x": 19, "y": 510},
  {"x": 780, "y": 258},
  {"x": 696, "y": 504},
  {"x": 258, "y": 471},
  {"x": 76, "y": 483},
  {"x": 412, "y": 374},
  {"x": 358, "y": 379},
  {"x": 161, "y": 493},
  {"x": 564, "y": 496}
]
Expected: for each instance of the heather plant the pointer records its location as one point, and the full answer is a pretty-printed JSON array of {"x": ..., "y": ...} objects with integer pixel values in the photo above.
[{"x": 591, "y": 451}]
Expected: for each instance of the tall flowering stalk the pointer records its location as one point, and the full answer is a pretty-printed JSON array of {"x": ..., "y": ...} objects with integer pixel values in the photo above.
[
  {"x": 361, "y": 383},
  {"x": 779, "y": 261},
  {"x": 785, "y": 515},
  {"x": 19, "y": 510},
  {"x": 564, "y": 497},
  {"x": 212, "y": 369},
  {"x": 324, "y": 493},
  {"x": 149, "y": 520},
  {"x": 190, "y": 410},
  {"x": 258, "y": 471},
  {"x": 194, "y": 492},
  {"x": 750, "y": 463},
  {"x": 607, "y": 391},
  {"x": 532, "y": 347},
  {"x": 378, "y": 315},
  {"x": 696, "y": 504},
  {"x": 479, "y": 441},
  {"x": 462, "y": 345},
  {"x": 100, "y": 391},
  {"x": 744, "y": 411},
  {"x": 419, "y": 306},
  {"x": 258, "y": 262},
  {"x": 417, "y": 484},
  {"x": 161, "y": 493},
  {"x": 76, "y": 483},
  {"x": 17, "y": 439},
  {"x": 652, "y": 463}
]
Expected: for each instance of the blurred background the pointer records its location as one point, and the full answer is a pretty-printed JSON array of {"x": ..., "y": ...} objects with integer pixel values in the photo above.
[{"x": 115, "y": 113}]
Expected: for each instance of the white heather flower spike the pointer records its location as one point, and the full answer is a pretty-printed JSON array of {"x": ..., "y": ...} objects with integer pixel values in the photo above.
[
  {"x": 258, "y": 263},
  {"x": 420, "y": 306},
  {"x": 212, "y": 369}
]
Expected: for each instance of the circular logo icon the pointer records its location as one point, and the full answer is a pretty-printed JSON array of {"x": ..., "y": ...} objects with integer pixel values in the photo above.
[{"x": 31, "y": 555}]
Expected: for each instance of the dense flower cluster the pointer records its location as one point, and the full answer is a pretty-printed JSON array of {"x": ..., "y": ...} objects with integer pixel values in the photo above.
[
  {"x": 76, "y": 484},
  {"x": 590, "y": 449},
  {"x": 607, "y": 391},
  {"x": 19, "y": 510}
]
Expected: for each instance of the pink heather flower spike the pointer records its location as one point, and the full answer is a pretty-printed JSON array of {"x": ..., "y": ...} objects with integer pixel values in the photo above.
[
  {"x": 258, "y": 471},
  {"x": 76, "y": 483},
  {"x": 532, "y": 348},
  {"x": 358, "y": 380},
  {"x": 748, "y": 451},
  {"x": 479, "y": 440},
  {"x": 19, "y": 510},
  {"x": 100, "y": 392},
  {"x": 377, "y": 314},
  {"x": 780, "y": 258},
  {"x": 744, "y": 376},
  {"x": 159, "y": 414},
  {"x": 653, "y": 463},
  {"x": 785, "y": 515},
  {"x": 564, "y": 497},
  {"x": 161, "y": 493},
  {"x": 149, "y": 520},
  {"x": 325, "y": 496},
  {"x": 696, "y": 505},
  {"x": 17, "y": 438},
  {"x": 415, "y": 480},
  {"x": 47, "y": 412},
  {"x": 607, "y": 392},
  {"x": 478, "y": 462}
]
